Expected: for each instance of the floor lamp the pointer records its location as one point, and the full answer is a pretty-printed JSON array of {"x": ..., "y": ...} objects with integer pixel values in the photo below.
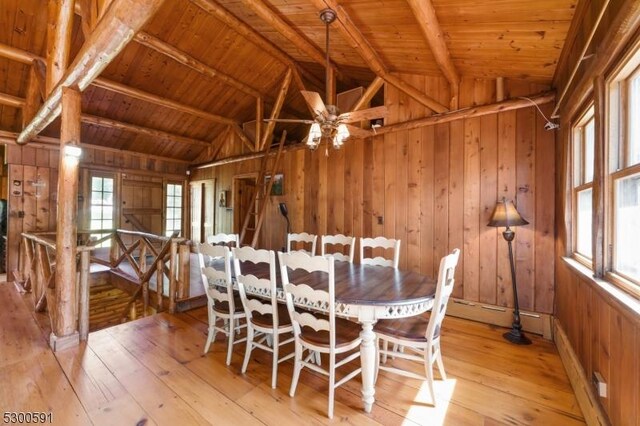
[{"x": 505, "y": 215}]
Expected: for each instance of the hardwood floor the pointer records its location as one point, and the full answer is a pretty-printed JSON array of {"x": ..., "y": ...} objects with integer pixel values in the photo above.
[{"x": 152, "y": 371}]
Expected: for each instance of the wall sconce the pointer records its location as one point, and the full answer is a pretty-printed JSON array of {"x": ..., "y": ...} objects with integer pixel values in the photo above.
[{"x": 73, "y": 151}]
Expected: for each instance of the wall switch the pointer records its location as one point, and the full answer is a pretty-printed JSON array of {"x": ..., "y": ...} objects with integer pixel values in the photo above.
[{"x": 599, "y": 384}]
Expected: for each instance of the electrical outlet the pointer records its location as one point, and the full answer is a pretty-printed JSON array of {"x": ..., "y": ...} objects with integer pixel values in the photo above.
[
  {"x": 599, "y": 384},
  {"x": 380, "y": 220}
]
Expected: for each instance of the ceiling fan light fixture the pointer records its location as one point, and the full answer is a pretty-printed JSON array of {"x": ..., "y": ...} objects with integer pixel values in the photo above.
[
  {"x": 341, "y": 135},
  {"x": 315, "y": 134}
]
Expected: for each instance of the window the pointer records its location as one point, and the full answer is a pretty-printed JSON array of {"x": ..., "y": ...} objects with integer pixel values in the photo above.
[
  {"x": 623, "y": 184},
  {"x": 101, "y": 210},
  {"x": 174, "y": 209},
  {"x": 583, "y": 165}
]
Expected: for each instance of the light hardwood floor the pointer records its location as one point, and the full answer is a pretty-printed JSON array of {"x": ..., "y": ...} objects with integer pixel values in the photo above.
[{"x": 153, "y": 370}]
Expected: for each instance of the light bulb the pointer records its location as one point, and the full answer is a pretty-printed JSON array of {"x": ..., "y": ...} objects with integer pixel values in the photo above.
[{"x": 315, "y": 133}]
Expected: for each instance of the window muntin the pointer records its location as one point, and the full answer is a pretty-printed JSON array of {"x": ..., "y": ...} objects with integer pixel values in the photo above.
[
  {"x": 101, "y": 207},
  {"x": 583, "y": 166},
  {"x": 633, "y": 144},
  {"x": 173, "y": 218}
]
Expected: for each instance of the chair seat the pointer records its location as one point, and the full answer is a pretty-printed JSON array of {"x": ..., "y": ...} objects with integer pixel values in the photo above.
[
  {"x": 266, "y": 320},
  {"x": 412, "y": 329},
  {"x": 223, "y": 307},
  {"x": 346, "y": 333}
]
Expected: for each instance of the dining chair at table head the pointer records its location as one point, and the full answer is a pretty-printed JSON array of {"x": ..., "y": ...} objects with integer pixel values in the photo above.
[
  {"x": 307, "y": 296},
  {"x": 224, "y": 239},
  {"x": 265, "y": 317},
  {"x": 222, "y": 303},
  {"x": 302, "y": 238},
  {"x": 418, "y": 334},
  {"x": 338, "y": 240},
  {"x": 382, "y": 243}
]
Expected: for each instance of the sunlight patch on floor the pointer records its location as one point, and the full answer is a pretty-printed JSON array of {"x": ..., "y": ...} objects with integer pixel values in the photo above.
[{"x": 422, "y": 409}]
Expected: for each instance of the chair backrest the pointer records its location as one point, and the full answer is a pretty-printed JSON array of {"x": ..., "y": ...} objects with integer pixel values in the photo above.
[
  {"x": 217, "y": 283},
  {"x": 265, "y": 302},
  {"x": 224, "y": 239},
  {"x": 380, "y": 242},
  {"x": 303, "y": 294},
  {"x": 302, "y": 238},
  {"x": 444, "y": 288},
  {"x": 338, "y": 240}
]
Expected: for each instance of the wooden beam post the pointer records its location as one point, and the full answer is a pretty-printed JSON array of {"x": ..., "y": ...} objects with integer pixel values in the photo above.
[
  {"x": 64, "y": 326},
  {"x": 83, "y": 320},
  {"x": 275, "y": 112},
  {"x": 499, "y": 89},
  {"x": 259, "y": 124},
  {"x": 34, "y": 99},
  {"x": 118, "y": 26},
  {"x": 59, "y": 26},
  {"x": 425, "y": 13},
  {"x": 368, "y": 94},
  {"x": 599, "y": 177}
]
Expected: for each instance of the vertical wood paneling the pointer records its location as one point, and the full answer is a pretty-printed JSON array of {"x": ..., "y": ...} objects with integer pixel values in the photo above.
[
  {"x": 441, "y": 191},
  {"x": 456, "y": 199},
  {"x": 427, "y": 191},
  {"x": 488, "y": 197},
  {"x": 471, "y": 247}
]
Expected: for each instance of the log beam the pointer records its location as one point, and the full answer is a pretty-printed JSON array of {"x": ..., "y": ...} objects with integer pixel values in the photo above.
[
  {"x": 213, "y": 8},
  {"x": 12, "y": 101},
  {"x": 66, "y": 238},
  {"x": 425, "y": 13},
  {"x": 243, "y": 138},
  {"x": 179, "y": 56},
  {"x": 34, "y": 96},
  {"x": 368, "y": 94},
  {"x": 59, "y": 26},
  {"x": 275, "y": 112},
  {"x": 259, "y": 124},
  {"x": 118, "y": 26}
]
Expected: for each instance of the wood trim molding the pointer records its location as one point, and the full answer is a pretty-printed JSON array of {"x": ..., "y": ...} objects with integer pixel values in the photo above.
[
  {"x": 533, "y": 322},
  {"x": 585, "y": 394}
]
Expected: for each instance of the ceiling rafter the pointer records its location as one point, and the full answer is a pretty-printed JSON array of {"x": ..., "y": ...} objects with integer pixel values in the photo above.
[
  {"x": 16, "y": 102},
  {"x": 180, "y": 56},
  {"x": 359, "y": 43},
  {"x": 299, "y": 40},
  {"x": 368, "y": 94},
  {"x": 425, "y": 13},
  {"x": 216, "y": 10},
  {"x": 25, "y": 57},
  {"x": 114, "y": 31}
]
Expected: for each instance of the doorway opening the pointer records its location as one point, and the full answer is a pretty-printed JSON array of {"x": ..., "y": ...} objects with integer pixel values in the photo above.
[{"x": 244, "y": 188}]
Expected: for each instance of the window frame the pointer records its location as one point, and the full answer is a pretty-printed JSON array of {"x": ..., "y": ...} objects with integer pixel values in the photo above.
[
  {"x": 102, "y": 175},
  {"x": 166, "y": 205},
  {"x": 579, "y": 183}
]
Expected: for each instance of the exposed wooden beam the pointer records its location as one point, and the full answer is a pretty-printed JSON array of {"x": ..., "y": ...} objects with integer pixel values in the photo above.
[
  {"x": 133, "y": 128},
  {"x": 259, "y": 124},
  {"x": 223, "y": 138},
  {"x": 187, "y": 60},
  {"x": 34, "y": 97},
  {"x": 59, "y": 26},
  {"x": 478, "y": 111},
  {"x": 118, "y": 26},
  {"x": 359, "y": 43},
  {"x": 425, "y": 13},
  {"x": 12, "y": 101},
  {"x": 368, "y": 94},
  {"x": 499, "y": 89},
  {"x": 48, "y": 142},
  {"x": 107, "y": 122},
  {"x": 159, "y": 100},
  {"x": 243, "y": 137},
  {"x": 215, "y": 9},
  {"x": 275, "y": 112}
]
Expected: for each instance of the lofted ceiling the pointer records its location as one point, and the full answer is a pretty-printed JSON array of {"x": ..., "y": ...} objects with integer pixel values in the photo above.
[{"x": 503, "y": 38}]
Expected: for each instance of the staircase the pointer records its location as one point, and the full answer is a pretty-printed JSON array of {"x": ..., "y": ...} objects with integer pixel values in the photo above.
[{"x": 258, "y": 206}]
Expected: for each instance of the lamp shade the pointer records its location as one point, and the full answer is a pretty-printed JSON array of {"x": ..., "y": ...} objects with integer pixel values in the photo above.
[{"x": 505, "y": 215}]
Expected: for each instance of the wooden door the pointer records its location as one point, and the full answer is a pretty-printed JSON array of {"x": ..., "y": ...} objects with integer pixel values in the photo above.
[
  {"x": 202, "y": 209},
  {"x": 243, "y": 192}
]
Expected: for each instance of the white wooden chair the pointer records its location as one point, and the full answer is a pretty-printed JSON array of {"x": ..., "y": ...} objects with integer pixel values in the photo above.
[
  {"x": 338, "y": 240},
  {"x": 224, "y": 239},
  {"x": 222, "y": 303},
  {"x": 302, "y": 238},
  {"x": 419, "y": 335},
  {"x": 384, "y": 243},
  {"x": 313, "y": 331},
  {"x": 265, "y": 317}
]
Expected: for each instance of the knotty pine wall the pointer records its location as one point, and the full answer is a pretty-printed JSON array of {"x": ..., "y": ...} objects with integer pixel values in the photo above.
[
  {"x": 434, "y": 188},
  {"x": 603, "y": 332},
  {"x": 34, "y": 209}
]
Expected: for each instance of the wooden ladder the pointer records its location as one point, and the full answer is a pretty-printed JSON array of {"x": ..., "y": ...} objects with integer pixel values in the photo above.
[{"x": 260, "y": 196}]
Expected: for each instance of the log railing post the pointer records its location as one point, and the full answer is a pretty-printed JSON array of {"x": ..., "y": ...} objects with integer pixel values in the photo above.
[
  {"x": 159, "y": 284},
  {"x": 173, "y": 274},
  {"x": 114, "y": 251},
  {"x": 83, "y": 321},
  {"x": 142, "y": 261},
  {"x": 184, "y": 252}
]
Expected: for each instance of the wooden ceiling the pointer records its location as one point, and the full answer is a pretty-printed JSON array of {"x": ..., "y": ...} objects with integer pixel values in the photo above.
[{"x": 501, "y": 38}]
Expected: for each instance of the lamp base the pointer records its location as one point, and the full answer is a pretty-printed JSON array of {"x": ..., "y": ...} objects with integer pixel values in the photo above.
[{"x": 517, "y": 337}]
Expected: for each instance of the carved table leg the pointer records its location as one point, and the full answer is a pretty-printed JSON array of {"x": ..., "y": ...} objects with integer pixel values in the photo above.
[{"x": 368, "y": 360}]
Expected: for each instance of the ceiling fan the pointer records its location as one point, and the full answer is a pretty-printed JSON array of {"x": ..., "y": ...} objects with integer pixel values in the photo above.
[{"x": 329, "y": 124}]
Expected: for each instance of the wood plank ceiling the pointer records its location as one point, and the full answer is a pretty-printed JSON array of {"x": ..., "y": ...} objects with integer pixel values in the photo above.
[{"x": 502, "y": 38}]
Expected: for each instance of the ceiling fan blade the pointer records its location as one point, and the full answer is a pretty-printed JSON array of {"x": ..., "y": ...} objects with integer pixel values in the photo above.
[
  {"x": 288, "y": 120},
  {"x": 314, "y": 101},
  {"x": 365, "y": 114},
  {"x": 357, "y": 132}
]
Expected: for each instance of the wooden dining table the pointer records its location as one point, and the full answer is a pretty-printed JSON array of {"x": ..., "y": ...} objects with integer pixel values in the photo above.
[{"x": 366, "y": 294}]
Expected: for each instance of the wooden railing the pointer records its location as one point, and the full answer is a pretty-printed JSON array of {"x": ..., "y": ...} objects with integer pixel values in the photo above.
[{"x": 37, "y": 269}]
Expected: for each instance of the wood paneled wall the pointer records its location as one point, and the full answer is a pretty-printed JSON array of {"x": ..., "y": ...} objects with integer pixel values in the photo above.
[{"x": 434, "y": 188}]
